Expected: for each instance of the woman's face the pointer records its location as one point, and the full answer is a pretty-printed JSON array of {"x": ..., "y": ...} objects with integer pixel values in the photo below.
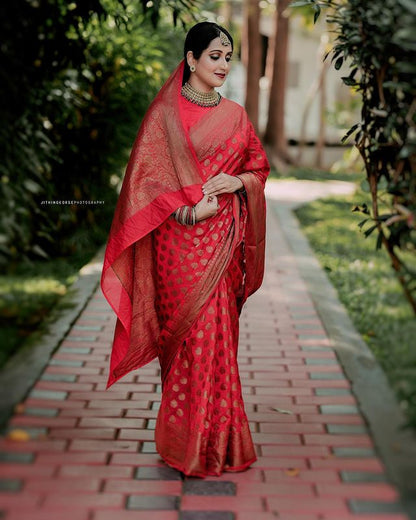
[{"x": 212, "y": 67}]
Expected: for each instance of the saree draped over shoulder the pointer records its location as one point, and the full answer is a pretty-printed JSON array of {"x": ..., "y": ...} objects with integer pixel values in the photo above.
[{"x": 178, "y": 290}]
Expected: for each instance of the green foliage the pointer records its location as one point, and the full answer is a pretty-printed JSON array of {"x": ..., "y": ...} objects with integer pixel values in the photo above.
[
  {"x": 182, "y": 10},
  {"x": 75, "y": 82},
  {"x": 375, "y": 39},
  {"x": 28, "y": 295},
  {"x": 369, "y": 290},
  {"x": 315, "y": 175}
]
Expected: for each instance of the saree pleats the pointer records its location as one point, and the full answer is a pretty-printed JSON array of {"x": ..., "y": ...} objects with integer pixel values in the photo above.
[{"x": 202, "y": 427}]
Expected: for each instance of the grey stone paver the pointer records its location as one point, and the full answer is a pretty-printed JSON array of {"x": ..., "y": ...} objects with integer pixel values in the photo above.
[
  {"x": 152, "y": 502},
  {"x": 201, "y": 487}
]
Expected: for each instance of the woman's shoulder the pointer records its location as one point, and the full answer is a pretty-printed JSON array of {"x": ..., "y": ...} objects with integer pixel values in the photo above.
[
  {"x": 234, "y": 108},
  {"x": 232, "y": 105}
]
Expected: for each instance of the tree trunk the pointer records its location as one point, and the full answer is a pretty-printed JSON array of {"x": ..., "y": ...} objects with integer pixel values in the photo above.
[
  {"x": 310, "y": 96},
  {"x": 270, "y": 57},
  {"x": 320, "y": 143},
  {"x": 254, "y": 58},
  {"x": 275, "y": 135},
  {"x": 225, "y": 11}
]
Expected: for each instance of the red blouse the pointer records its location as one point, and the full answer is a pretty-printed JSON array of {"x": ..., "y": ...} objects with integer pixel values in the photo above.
[{"x": 191, "y": 112}]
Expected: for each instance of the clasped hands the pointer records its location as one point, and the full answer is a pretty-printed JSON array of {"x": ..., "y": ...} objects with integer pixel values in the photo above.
[{"x": 221, "y": 183}]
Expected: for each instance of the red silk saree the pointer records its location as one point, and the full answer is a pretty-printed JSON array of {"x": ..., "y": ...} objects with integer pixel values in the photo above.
[{"x": 178, "y": 290}]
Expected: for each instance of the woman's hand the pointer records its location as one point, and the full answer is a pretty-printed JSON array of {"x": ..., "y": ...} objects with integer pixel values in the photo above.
[
  {"x": 222, "y": 183},
  {"x": 206, "y": 207}
]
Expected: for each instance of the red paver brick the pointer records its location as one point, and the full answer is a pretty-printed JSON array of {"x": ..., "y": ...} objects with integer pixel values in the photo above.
[
  {"x": 74, "y": 356},
  {"x": 295, "y": 451},
  {"x": 321, "y": 383},
  {"x": 298, "y": 488},
  {"x": 124, "y": 404},
  {"x": 370, "y": 491},
  {"x": 104, "y": 445},
  {"x": 19, "y": 500},
  {"x": 293, "y": 505},
  {"x": 143, "y": 487},
  {"x": 136, "y": 459},
  {"x": 101, "y": 471},
  {"x": 310, "y": 354},
  {"x": 72, "y": 458},
  {"x": 42, "y": 514},
  {"x": 299, "y": 371},
  {"x": 337, "y": 440},
  {"x": 265, "y": 516},
  {"x": 26, "y": 470},
  {"x": 272, "y": 438},
  {"x": 59, "y": 485},
  {"x": 136, "y": 515},
  {"x": 292, "y": 408},
  {"x": 64, "y": 386},
  {"x": 277, "y": 428},
  {"x": 283, "y": 391},
  {"x": 91, "y": 500},
  {"x": 383, "y": 516},
  {"x": 295, "y": 474},
  {"x": 32, "y": 420},
  {"x": 100, "y": 422},
  {"x": 346, "y": 463},
  {"x": 71, "y": 370},
  {"x": 271, "y": 417},
  {"x": 332, "y": 418},
  {"x": 107, "y": 396},
  {"x": 83, "y": 433},
  {"x": 147, "y": 414},
  {"x": 270, "y": 400},
  {"x": 33, "y": 445},
  {"x": 136, "y": 434},
  {"x": 253, "y": 475},
  {"x": 90, "y": 378},
  {"x": 278, "y": 383},
  {"x": 50, "y": 403},
  {"x": 325, "y": 399},
  {"x": 92, "y": 412}
]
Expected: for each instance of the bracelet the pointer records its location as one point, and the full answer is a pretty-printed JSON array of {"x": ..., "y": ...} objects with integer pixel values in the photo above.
[{"x": 185, "y": 215}]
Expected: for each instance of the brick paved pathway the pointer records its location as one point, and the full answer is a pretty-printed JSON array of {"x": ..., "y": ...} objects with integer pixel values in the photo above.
[{"x": 90, "y": 453}]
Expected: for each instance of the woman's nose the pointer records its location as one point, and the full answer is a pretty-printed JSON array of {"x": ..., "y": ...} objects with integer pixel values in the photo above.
[{"x": 225, "y": 64}]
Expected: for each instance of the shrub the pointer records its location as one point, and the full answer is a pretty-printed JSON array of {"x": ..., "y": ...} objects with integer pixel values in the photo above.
[{"x": 376, "y": 40}]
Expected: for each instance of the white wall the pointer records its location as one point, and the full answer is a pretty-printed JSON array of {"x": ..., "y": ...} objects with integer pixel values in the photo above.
[{"x": 303, "y": 56}]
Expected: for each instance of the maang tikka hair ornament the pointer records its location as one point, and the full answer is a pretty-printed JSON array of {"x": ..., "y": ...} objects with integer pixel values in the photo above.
[{"x": 224, "y": 39}]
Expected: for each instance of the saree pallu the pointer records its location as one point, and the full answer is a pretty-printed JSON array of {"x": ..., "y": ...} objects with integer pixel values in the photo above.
[{"x": 178, "y": 290}]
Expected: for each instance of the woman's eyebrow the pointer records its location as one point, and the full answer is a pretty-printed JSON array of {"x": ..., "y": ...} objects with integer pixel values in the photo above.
[{"x": 220, "y": 51}]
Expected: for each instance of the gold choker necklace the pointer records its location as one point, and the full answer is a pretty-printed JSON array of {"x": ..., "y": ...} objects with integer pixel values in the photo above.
[{"x": 203, "y": 99}]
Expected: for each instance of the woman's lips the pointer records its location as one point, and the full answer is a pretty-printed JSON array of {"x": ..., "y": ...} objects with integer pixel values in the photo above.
[{"x": 222, "y": 76}]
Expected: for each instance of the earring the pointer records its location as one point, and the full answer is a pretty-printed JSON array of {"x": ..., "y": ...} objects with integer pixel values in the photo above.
[{"x": 192, "y": 68}]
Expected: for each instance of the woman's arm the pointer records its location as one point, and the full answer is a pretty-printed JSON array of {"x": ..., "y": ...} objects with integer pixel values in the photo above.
[{"x": 206, "y": 207}]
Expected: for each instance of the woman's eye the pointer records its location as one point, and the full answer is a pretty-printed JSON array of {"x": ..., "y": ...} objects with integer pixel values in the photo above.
[
  {"x": 228, "y": 58},
  {"x": 214, "y": 57}
]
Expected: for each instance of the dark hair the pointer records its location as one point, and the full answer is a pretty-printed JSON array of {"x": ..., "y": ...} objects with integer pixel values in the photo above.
[{"x": 198, "y": 39}]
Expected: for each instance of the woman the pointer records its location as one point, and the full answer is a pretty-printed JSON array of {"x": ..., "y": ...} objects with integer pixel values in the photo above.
[{"x": 186, "y": 248}]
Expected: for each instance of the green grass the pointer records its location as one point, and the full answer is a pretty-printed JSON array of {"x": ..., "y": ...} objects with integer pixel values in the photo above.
[
  {"x": 31, "y": 290},
  {"x": 310, "y": 174},
  {"x": 368, "y": 287}
]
